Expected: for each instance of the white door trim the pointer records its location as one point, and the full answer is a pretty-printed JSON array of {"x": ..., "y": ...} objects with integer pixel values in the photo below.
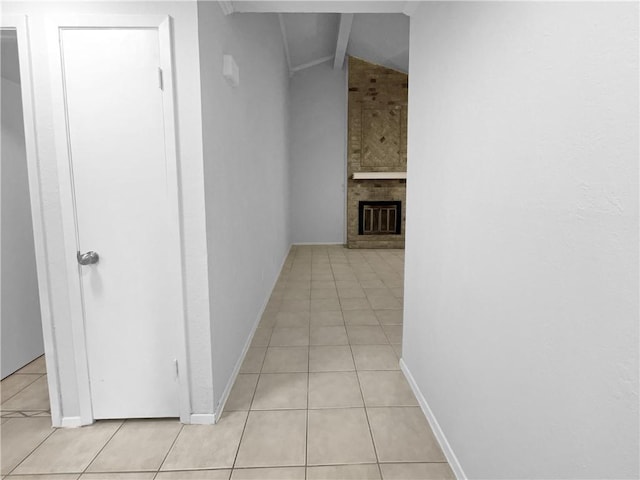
[
  {"x": 19, "y": 24},
  {"x": 163, "y": 25}
]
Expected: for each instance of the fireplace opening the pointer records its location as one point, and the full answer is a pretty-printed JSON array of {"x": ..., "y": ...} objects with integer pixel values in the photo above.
[{"x": 379, "y": 217}]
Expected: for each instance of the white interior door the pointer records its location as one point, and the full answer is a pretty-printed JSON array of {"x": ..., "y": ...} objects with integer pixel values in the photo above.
[{"x": 131, "y": 296}]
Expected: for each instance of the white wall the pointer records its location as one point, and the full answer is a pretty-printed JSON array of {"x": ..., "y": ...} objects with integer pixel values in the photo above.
[
  {"x": 521, "y": 314},
  {"x": 21, "y": 330},
  {"x": 246, "y": 176},
  {"x": 381, "y": 38},
  {"x": 188, "y": 121},
  {"x": 318, "y": 154}
]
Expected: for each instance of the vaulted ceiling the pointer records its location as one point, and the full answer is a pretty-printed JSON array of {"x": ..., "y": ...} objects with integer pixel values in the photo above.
[{"x": 325, "y": 31}]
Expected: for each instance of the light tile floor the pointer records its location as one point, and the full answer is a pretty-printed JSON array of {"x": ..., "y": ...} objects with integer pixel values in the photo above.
[{"x": 319, "y": 396}]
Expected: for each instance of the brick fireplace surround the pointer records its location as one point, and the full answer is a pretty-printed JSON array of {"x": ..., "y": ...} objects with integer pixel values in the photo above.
[{"x": 377, "y": 142}]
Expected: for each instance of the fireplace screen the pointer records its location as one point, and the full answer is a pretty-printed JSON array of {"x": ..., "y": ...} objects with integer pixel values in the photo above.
[{"x": 379, "y": 217}]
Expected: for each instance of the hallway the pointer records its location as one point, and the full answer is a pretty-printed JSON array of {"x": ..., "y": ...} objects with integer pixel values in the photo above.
[{"x": 320, "y": 387}]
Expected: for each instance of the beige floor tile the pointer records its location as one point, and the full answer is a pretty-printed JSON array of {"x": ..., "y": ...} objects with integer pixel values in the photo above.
[
  {"x": 339, "y": 436},
  {"x": 347, "y": 284},
  {"x": 385, "y": 303},
  {"x": 366, "y": 335},
  {"x": 378, "y": 292},
  {"x": 299, "y": 283},
  {"x": 19, "y": 437},
  {"x": 286, "y": 360},
  {"x": 296, "y": 294},
  {"x": 36, "y": 366},
  {"x": 374, "y": 283},
  {"x": 53, "y": 476},
  {"x": 360, "y": 317},
  {"x": 331, "y": 335},
  {"x": 69, "y": 450},
  {"x": 351, "y": 292},
  {"x": 386, "y": 389},
  {"x": 292, "y": 319},
  {"x": 326, "y": 319},
  {"x": 397, "y": 348},
  {"x": 345, "y": 276},
  {"x": 294, "y": 305},
  {"x": 393, "y": 281},
  {"x": 32, "y": 397},
  {"x": 334, "y": 390},
  {"x": 330, "y": 358},
  {"x": 321, "y": 276},
  {"x": 281, "y": 391},
  {"x": 15, "y": 383},
  {"x": 416, "y": 471},
  {"x": 207, "y": 446},
  {"x": 139, "y": 445},
  {"x": 375, "y": 357},
  {"x": 323, "y": 285},
  {"x": 253, "y": 360},
  {"x": 397, "y": 292},
  {"x": 325, "y": 305},
  {"x": 289, "y": 337},
  {"x": 389, "y": 317},
  {"x": 393, "y": 333},
  {"x": 286, "y": 473},
  {"x": 222, "y": 474},
  {"x": 119, "y": 476},
  {"x": 242, "y": 392},
  {"x": 354, "y": 304},
  {"x": 261, "y": 337},
  {"x": 268, "y": 320},
  {"x": 367, "y": 471},
  {"x": 402, "y": 434},
  {"x": 323, "y": 293},
  {"x": 273, "y": 438},
  {"x": 364, "y": 271}
]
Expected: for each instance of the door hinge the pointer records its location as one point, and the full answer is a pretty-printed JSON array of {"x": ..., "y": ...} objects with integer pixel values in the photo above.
[
  {"x": 160, "y": 79},
  {"x": 175, "y": 364}
]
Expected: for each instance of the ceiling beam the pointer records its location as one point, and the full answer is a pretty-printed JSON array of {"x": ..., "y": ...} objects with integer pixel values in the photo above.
[
  {"x": 285, "y": 42},
  {"x": 313, "y": 63},
  {"x": 302, "y": 6},
  {"x": 346, "y": 19}
]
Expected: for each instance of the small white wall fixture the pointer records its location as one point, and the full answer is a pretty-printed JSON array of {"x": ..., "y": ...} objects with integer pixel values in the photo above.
[
  {"x": 163, "y": 24},
  {"x": 230, "y": 70}
]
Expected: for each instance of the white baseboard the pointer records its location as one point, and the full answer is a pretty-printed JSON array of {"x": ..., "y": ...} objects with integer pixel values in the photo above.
[
  {"x": 202, "y": 419},
  {"x": 70, "y": 422},
  {"x": 227, "y": 390},
  {"x": 435, "y": 427}
]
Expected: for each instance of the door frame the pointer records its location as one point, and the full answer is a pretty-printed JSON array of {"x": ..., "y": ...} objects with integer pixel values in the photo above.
[
  {"x": 163, "y": 24},
  {"x": 20, "y": 25}
]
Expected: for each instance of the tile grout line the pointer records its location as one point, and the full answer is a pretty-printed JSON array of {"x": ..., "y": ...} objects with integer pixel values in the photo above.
[
  {"x": 366, "y": 413},
  {"x": 306, "y": 440},
  {"x": 53, "y": 430},
  {"x": 255, "y": 390},
  {"x": 166, "y": 455},
  {"x": 103, "y": 447},
  {"x": 39, "y": 376}
]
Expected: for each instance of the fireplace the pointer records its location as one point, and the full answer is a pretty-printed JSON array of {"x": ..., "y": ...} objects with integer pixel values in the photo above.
[{"x": 379, "y": 217}]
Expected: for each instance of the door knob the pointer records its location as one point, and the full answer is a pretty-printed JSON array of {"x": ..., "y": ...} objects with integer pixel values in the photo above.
[{"x": 88, "y": 258}]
